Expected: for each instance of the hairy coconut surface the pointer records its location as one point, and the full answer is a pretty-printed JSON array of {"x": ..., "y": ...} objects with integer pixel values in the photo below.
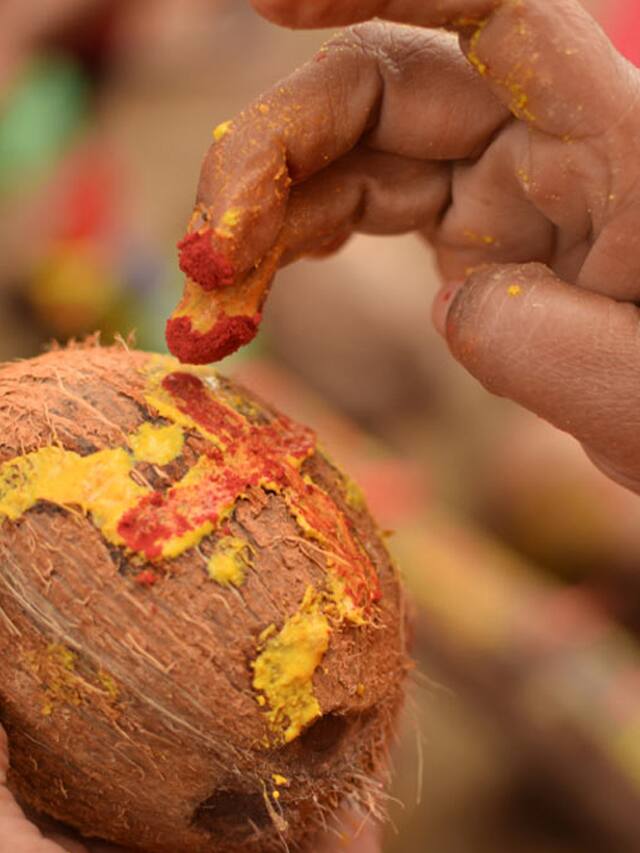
[{"x": 202, "y": 638}]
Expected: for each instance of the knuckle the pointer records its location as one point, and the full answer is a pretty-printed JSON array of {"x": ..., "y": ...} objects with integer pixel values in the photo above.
[
  {"x": 369, "y": 36},
  {"x": 396, "y": 46}
]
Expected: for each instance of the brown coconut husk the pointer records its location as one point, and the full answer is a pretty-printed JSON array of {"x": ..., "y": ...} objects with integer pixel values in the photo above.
[{"x": 130, "y": 707}]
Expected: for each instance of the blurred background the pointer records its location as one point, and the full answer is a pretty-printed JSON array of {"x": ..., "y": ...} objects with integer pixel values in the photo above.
[{"x": 522, "y": 731}]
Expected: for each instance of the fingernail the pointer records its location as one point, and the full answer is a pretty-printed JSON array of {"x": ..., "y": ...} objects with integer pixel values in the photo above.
[{"x": 442, "y": 303}]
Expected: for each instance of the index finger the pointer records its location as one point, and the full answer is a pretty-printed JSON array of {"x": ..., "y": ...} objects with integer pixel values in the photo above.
[{"x": 365, "y": 83}]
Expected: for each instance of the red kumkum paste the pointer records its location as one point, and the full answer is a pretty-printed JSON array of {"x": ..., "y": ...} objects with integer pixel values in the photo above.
[
  {"x": 259, "y": 455},
  {"x": 202, "y": 263},
  {"x": 227, "y": 335}
]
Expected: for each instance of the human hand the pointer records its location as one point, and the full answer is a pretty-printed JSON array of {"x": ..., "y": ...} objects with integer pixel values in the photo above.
[{"x": 521, "y": 154}]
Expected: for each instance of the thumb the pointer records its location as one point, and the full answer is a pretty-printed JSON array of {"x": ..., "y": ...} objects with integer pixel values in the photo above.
[{"x": 568, "y": 355}]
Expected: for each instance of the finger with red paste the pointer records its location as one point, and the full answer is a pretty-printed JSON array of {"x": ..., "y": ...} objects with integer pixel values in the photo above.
[
  {"x": 361, "y": 84},
  {"x": 410, "y": 93},
  {"x": 293, "y": 133},
  {"x": 203, "y": 328}
]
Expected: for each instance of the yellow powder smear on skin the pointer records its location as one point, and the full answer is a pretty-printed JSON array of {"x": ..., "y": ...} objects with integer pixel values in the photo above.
[
  {"x": 472, "y": 54},
  {"x": 221, "y": 130},
  {"x": 484, "y": 239},
  {"x": 283, "y": 671},
  {"x": 229, "y": 562},
  {"x": 520, "y": 100},
  {"x": 157, "y": 445},
  {"x": 229, "y": 221}
]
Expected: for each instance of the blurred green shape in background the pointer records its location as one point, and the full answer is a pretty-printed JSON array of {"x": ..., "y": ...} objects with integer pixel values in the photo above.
[{"x": 40, "y": 116}]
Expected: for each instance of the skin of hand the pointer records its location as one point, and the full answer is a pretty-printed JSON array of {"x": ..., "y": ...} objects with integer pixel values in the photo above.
[
  {"x": 504, "y": 131},
  {"x": 20, "y": 835}
]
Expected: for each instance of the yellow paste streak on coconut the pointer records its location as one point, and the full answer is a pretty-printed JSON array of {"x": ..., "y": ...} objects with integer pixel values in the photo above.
[
  {"x": 99, "y": 484},
  {"x": 229, "y": 562},
  {"x": 283, "y": 671},
  {"x": 157, "y": 445}
]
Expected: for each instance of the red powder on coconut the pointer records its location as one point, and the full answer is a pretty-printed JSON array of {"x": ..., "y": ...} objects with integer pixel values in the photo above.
[
  {"x": 264, "y": 455},
  {"x": 228, "y": 334},
  {"x": 202, "y": 263},
  {"x": 193, "y": 398},
  {"x": 146, "y": 578},
  {"x": 158, "y": 518}
]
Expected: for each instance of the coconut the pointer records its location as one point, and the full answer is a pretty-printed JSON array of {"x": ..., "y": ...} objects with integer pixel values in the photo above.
[{"x": 202, "y": 636}]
